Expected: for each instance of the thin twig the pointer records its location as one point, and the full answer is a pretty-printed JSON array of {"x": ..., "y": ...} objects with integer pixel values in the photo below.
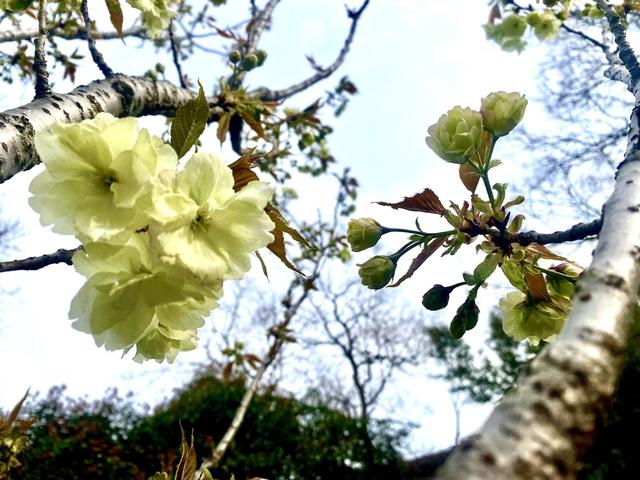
[
  {"x": 39, "y": 59},
  {"x": 175, "y": 55},
  {"x": 93, "y": 49},
  {"x": 277, "y": 95},
  {"x": 36, "y": 263},
  {"x": 272, "y": 353}
]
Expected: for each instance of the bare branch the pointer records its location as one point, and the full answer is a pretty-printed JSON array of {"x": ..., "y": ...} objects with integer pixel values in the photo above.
[
  {"x": 93, "y": 49},
  {"x": 272, "y": 353},
  {"x": 174, "y": 53},
  {"x": 39, "y": 59},
  {"x": 121, "y": 96},
  {"x": 36, "y": 263},
  {"x": 277, "y": 95},
  {"x": 259, "y": 25}
]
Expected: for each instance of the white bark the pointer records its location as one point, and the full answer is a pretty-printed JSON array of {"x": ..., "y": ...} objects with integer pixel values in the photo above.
[
  {"x": 542, "y": 429},
  {"x": 120, "y": 96}
]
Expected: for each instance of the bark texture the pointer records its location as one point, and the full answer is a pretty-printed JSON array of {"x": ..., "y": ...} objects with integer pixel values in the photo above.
[
  {"x": 543, "y": 428},
  {"x": 120, "y": 95}
]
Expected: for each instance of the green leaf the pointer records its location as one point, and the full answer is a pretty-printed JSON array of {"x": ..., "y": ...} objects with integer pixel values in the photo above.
[
  {"x": 501, "y": 188},
  {"x": 18, "y": 5},
  {"x": 494, "y": 163},
  {"x": 468, "y": 278},
  {"x": 115, "y": 14},
  {"x": 481, "y": 205},
  {"x": 516, "y": 201},
  {"x": 486, "y": 268},
  {"x": 189, "y": 123},
  {"x": 514, "y": 274}
]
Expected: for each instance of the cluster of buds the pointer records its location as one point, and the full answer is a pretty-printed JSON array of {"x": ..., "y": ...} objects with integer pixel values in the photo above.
[
  {"x": 364, "y": 233},
  {"x": 249, "y": 61},
  {"x": 509, "y": 33},
  {"x": 458, "y": 136}
]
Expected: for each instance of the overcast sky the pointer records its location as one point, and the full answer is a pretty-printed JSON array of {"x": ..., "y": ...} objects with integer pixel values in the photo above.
[{"x": 411, "y": 61}]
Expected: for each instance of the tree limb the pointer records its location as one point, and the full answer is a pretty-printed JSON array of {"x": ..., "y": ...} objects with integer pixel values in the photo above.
[
  {"x": 121, "y": 96},
  {"x": 79, "y": 34},
  {"x": 579, "y": 231},
  {"x": 61, "y": 255},
  {"x": 321, "y": 74}
]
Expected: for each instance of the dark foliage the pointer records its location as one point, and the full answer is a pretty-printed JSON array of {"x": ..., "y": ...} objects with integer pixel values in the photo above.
[{"x": 281, "y": 438}]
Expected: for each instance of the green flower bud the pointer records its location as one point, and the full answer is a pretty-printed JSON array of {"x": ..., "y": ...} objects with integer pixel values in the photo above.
[
  {"x": 159, "y": 68},
  {"x": 376, "y": 272},
  {"x": 457, "y": 135},
  {"x": 502, "y": 111},
  {"x": 249, "y": 62},
  {"x": 548, "y": 27},
  {"x": 436, "y": 298},
  {"x": 363, "y": 233},
  {"x": 262, "y": 56},
  {"x": 234, "y": 56}
]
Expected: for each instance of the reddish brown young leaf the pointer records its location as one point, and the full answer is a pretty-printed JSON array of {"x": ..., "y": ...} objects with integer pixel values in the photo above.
[
  {"x": 242, "y": 171},
  {"x": 420, "y": 259},
  {"x": 425, "y": 201},
  {"x": 255, "y": 125},
  {"x": 14, "y": 412},
  {"x": 226, "y": 371},
  {"x": 536, "y": 285},
  {"x": 468, "y": 177},
  {"x": 223, "y": 127},
  {"x": 543, "y": 251},
  {"x": 188, "y": 463},
  {"x": 115, "y": 14}
]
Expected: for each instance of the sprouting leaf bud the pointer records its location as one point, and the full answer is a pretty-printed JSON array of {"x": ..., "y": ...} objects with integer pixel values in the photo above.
[
  {"x": 234, "y": 56},
  {"x": 262, "y": 56},
  {"x": 249, "y": 62}
]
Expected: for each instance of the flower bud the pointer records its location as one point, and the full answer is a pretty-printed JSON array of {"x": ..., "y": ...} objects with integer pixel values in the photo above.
[
  {"x": 262, "y": 56},
  {"x": 457, "y": 135},
  {"x": 436, "y": 298},
  {"x": 502, "y": 111},
  {"x": 376, "y": 272},
  {"x": 234, "y": 56},
  {"x": 249, "y": 62},
  {"x": 363, "y": 233}
]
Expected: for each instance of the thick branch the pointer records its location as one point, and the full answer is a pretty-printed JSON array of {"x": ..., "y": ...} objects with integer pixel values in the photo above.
[
  {"x": 542, "y": 428},
  {"x": 39, "y": 59},
  {"x": 625, "y": 52},
  {"x": 79, "y": 34},
  {"x": 121, "y": 96},
  {"x": 277, "y": 95},
  {"x": 579, "y": 231},
  {"x": 93, "y": 49},
  {"x": 36, "y": 263}
]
